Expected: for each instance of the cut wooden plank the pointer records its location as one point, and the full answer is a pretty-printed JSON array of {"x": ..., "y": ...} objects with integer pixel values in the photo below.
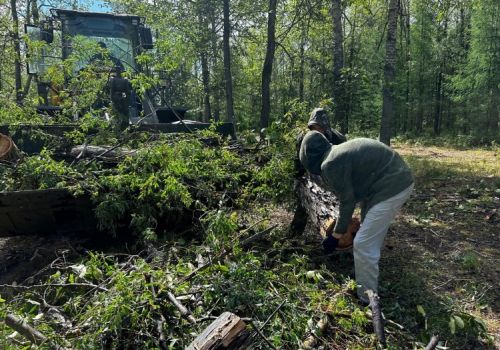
[{"x": 227, "y": 332}]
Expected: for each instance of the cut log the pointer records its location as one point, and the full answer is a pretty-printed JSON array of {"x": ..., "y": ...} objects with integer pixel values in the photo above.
[
  {"x": 314, "y": 204},
  {"x": 8, "y": 149},
  {"x": 227, "y": 332},
  {"x": 109, "y": 153}
]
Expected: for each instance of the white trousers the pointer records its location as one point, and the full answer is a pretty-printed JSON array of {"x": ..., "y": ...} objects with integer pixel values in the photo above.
[{"x": 370, "y": 239}]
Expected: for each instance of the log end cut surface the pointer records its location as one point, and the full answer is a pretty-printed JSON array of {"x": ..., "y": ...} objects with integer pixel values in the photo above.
[{"x": 225, "y": 332}]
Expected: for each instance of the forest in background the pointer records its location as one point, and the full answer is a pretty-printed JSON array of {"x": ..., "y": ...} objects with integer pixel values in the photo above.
[{"x": 399, "y": 67}]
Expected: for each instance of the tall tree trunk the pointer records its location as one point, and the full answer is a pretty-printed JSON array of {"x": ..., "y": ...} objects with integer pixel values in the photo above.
[
  {"x": 439, "y": 102},
  {"x": 389, "y": 73},
  {"x": 420, "y": 107},
  {"x": 205, "y": 77},
  {"x": 34, "y": 12},
  {"x": 494, "y": 75},
  {"x": 267, "y": 69},
  {"x": 338, "y": 65},
  {"x": 494, "y": 111},
  {"x": 17, "y": 52},
  {"x": 464, "y": 41},
  {"x": 408, "y": 68},
  {"x": 215, "y": 68},
  {"x": 302, "y": 63},
  {"x": 438, "y": 113},
  {"x": 203, "y": 44},
  {"x": 227, "y": 65},
  {"x": 349, "y": 87}
]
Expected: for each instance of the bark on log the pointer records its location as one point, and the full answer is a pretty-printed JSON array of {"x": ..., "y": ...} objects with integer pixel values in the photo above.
[
  {"x": 227, "y": 332},
  {"x": 317, "y": 204},
  {"x": 101, "y": 152}
]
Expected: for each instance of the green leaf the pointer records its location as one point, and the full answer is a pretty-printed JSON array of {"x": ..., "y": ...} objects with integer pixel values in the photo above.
[
  {"x": 421, "y": 310},
  {"x": 222, "y": 268},
  {"x": 451, "y": 324},
  {"x": 459, "y": 322},
  {"x": 2, "y": 300}
]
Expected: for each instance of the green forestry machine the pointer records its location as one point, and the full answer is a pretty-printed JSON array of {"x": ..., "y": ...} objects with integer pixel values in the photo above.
[{"x": 123, "y": 38}]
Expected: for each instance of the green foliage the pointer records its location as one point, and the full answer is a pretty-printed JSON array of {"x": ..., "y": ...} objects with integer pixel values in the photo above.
[
  {"x": 94, "y": 130},
  {"x": 164, "y": 179},
  {"x": 39, "y": 172},
  {"x": 132, "y": 294},
  {"x": 470, "y": 261}
]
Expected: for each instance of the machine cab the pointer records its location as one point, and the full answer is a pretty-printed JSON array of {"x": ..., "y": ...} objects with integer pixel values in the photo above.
[{"x": 121, "y": 37}]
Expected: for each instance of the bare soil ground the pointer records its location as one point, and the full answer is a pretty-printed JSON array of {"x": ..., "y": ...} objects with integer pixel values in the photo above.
[
  {"x": 23, "y": 257},
  {"x": 443, "y": 251}
]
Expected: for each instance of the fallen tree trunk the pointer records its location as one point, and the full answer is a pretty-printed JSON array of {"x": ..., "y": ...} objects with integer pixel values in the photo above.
[
  {"x": 227, "y": 332},
  {"x": 109, "y": 153},
  {"x": 314, "y": 204}
]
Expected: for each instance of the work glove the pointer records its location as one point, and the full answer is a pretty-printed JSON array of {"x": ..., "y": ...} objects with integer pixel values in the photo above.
[
  {"x": 346, "y": 240},
  {"x": 330, "y": 243}
]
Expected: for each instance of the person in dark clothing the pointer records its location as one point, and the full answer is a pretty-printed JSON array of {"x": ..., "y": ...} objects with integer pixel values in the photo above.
[
  {"x": 318, "y": 121},
  {"x": 360, "y": 171}
]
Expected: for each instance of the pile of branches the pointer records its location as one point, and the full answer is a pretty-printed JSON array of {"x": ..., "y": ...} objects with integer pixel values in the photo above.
[
  {"x": 166, "y": 297},
  {"x": 151, "y": 184}
]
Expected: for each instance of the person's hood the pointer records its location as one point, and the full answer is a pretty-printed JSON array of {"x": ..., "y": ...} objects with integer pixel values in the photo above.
[
  {"x": 319, "y": 117},
  {"x": 313, "y": 150}
]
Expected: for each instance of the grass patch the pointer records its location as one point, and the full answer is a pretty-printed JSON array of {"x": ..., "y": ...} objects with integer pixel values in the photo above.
[{"x": 441, "y": 275}]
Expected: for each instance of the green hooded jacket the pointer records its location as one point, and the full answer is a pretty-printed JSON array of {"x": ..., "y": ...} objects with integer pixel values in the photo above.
[
  {"x": 320, "y": 117},
  {"x": 359, "y": 170}
]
